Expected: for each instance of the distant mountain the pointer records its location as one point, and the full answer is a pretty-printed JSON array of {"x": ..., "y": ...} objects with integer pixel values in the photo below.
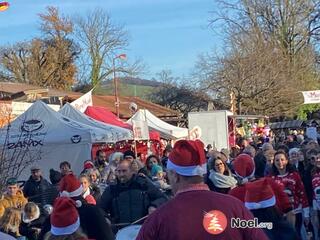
[{"x": 128, "y": 86}]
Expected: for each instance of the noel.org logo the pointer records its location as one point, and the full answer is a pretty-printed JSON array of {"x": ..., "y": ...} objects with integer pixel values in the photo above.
[{"x": 214, "y": 222}]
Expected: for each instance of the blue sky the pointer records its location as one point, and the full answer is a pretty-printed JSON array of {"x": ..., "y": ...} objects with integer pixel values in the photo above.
[{"x": 165, "y": 34}]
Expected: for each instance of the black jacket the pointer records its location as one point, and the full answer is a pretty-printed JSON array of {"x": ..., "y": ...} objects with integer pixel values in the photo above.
[
  {"x": 92, "y": 222},
  {"x": 126, "y": 203},
  {"x": 37, "y": 192},
  {"x": 27, "y": 229}
]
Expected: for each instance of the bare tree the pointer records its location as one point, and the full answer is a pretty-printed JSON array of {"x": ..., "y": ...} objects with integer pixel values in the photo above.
[
  {"x": 47, "y": 61},
  {"x": 176, "y": 95},
  {"x": 270, "y": 54},
  {"x": 101, "y": 40}
]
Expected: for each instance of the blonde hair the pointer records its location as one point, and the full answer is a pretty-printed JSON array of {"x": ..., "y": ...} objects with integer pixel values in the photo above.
[
  {"x": 11, "y": 220},
  {"x": 30, "y": 207},
  {"x": 77, "y": 235}
]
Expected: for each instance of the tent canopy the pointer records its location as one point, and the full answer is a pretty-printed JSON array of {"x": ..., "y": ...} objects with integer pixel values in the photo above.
[
  {"x": 104, "y": 115},
  {"x": 44, "y": 137},
  {"x": 112, "y": 133},
  {"x": 159, "y": 125}
]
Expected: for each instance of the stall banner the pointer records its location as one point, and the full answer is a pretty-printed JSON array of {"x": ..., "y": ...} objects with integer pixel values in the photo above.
[
  {"x": 83, "y": 102},
  {"x": 140, "y": 130},
  {"x": 311, "y": 96}
]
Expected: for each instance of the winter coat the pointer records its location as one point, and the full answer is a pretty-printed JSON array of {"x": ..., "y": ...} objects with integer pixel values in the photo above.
[
  {"x": 95, "y": 192},
  {"x": 92, "y": 222},
  {"x": 37, "y": 192},
  {"x": 17, "y": 201},
  {"x": 129, "y": 202},
  {"x": 27, "y": 226}
]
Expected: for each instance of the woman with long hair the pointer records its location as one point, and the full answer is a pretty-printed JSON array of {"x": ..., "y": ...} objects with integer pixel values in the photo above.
[
  {"x": 286, "y": 174},
  {"x": 220, "y": 177},
  {"x": 88, "y": 193},
  {"x": 151, "y": 160},
  {"x": 10, "y": 222}
]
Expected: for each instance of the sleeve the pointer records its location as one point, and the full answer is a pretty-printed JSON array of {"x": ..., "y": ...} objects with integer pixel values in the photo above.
[
  {"x": 302, "y": 196},
  {"x": 149, "y": 228},
  {"x": 98, "y": 227},
  {"x": 282, "y": 199},
  {"x": 2, "y": 207},
  {"x": 106, "y": 200},
  {"x": 251, "y": 233},
  {"x": 26, "y": 188},
  {"x": 157, "y": 198},
  {"x": 25, "y": 230}
]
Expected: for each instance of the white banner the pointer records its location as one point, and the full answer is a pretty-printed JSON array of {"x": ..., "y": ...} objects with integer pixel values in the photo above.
[
  {"x": 140, "y": 130},
  {"x": 311, "y": 96},
  {"x": 83, "y": 102}
]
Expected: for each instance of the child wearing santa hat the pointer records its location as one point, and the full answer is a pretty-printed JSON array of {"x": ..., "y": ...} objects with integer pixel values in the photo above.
[{"x": 65, "y": 221}]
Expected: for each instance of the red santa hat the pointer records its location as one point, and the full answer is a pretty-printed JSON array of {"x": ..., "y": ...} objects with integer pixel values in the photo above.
[
  {"x": 259, "y": 195},
  {"x": 70, "y": 186},
  {"x": 187, "y": 158},
  {"x": 243, "y": 165},
  {"x": 64, "y": 218},
  {"x": 88, "y": 164}
]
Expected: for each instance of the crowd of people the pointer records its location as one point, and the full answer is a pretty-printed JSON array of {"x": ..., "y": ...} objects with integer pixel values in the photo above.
[{"x": 173, "y": 197}]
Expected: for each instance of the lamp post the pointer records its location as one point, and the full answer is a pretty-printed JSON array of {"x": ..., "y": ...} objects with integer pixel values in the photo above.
[{"x": 115, "y": 82}]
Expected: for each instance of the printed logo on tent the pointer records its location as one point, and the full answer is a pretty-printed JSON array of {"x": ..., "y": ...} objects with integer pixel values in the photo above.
[
  {"x": 76, "y": 139},
  {"x": 32, "y": 125}
]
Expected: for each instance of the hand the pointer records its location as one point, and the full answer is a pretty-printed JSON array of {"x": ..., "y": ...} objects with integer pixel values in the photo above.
[
  {"x": 141, "y": 175},
  {"x": 151, "y": 209}
]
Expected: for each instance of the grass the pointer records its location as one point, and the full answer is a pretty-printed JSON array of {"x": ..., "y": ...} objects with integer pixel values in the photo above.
[{"x": 125, "y": 90}]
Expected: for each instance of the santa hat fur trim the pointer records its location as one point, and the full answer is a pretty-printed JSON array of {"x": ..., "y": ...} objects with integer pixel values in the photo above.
[{"x": 188, "y": 158}]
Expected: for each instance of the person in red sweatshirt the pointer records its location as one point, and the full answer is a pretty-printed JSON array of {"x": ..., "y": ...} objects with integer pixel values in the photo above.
[
  {"x": 315, "y": 176},
  {"x": 244, "y": 168},
  {"x": 195, "y": 212},
  {"x": 287, "y": 175}
]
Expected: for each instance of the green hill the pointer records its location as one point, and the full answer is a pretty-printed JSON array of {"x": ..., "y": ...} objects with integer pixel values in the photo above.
[{"x": 128, "y": 87}]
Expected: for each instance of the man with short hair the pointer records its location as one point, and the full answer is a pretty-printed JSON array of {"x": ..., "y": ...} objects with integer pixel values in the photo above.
[
  {"x": 196, "y": 212},
  {"x": 132, "y": 197},
  {"x": 36, "y": 188},
  {"x": 13, "y": 196}
]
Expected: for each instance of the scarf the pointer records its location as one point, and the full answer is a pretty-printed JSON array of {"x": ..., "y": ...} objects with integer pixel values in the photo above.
[{"x": 222, "y": 181}]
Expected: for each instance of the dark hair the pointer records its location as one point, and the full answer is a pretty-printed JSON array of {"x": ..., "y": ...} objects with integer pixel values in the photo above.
[
  {"x": 98, "y": 152},
  {"x": 226, "y": 168},
  {"x": 289, "y": 167},
  {"x": 152, "y": 156},
  {"x": 283, "y": 148},
  {"x": 65, "y": 163}
]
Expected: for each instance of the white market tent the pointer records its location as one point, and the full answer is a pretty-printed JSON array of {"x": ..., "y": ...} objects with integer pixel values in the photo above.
[
  {"x": 112, "y": 133},
  {"x": 159, "y": 125},
  {"x": 46, "y": 138}
]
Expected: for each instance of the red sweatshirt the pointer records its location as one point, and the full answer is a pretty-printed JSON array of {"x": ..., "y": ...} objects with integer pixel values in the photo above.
[
  {"x": 316, "y": 185},
  {"x": 182, "y": 218},
  {"x": 294, "y": 187}
]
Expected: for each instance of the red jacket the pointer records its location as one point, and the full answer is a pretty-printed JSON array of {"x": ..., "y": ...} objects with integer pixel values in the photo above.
[
  {"x": 294, "y": 187},
  {"x": 282, "y": 200}
]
